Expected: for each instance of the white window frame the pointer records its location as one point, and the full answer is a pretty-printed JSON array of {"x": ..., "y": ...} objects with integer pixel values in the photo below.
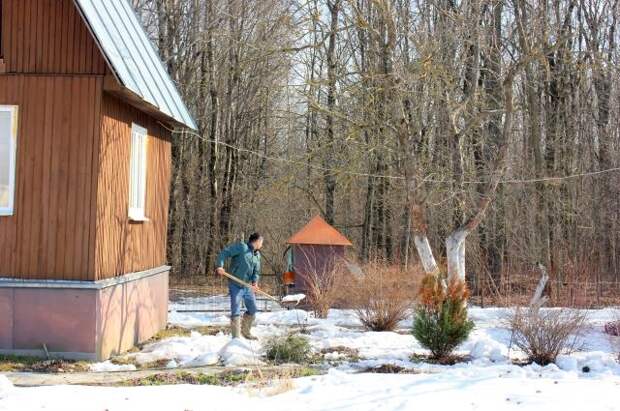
[
  {"x": 138, "y": 158},
  {"x": 14, "y": 110}
]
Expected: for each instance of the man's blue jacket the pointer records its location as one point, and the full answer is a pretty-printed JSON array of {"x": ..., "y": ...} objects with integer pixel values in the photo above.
[{"x": 244, "y": 261}]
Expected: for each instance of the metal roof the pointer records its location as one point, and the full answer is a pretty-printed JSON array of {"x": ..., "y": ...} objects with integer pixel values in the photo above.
[
  {"x": 132, "y": 57},
  {"x": 318, "y": 232}
]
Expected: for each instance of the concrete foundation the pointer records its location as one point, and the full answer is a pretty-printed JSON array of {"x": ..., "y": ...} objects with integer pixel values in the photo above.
[{"x": 82, "y": 319}]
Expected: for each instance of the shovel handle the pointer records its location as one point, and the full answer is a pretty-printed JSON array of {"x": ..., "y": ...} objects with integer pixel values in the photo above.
[{"x": 258, "y": 290}]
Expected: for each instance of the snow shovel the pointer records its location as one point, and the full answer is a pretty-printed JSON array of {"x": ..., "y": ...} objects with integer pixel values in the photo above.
[{"x": 286, "y": 302}]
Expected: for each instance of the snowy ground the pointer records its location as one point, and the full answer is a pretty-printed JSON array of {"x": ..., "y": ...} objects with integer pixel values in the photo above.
[{"x": 489, "y": 382}]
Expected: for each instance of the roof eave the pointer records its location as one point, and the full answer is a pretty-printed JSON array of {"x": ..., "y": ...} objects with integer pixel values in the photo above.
[
  {"x": 289, "y": 242},
  {"x": 114, "y": 87},
  {"x": 129, "y": 95}
]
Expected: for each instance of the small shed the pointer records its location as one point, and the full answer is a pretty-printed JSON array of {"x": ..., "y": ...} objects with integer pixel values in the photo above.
[
  {"x": 86, "y": 113},
  {"x": 314, "y": 250}
]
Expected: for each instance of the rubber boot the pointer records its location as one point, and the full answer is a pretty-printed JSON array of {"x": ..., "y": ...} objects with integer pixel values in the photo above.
[
  {"x": 235, "y": 327},
  {"x": 246, "y": 326}
]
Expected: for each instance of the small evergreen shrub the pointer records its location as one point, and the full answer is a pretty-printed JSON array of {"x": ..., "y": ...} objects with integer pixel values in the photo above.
[
  {"x": 292, "y": 348},
  {"x": 440, "y": 323}
]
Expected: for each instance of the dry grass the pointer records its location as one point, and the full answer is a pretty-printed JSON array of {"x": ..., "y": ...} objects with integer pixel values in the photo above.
[
  {"x": 15, "y": 363},
  {"x": 230, "y": 378},
  {"x": 281, "y": 382},
  {"x": 384, "y": 295},
  {"x": 575, "y": 284},
  {"x": 279, "y": 386},
  {"x": 544, "y": 334}
]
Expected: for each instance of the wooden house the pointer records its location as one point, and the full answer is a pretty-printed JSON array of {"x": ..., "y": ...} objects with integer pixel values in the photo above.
[
  {"x": 86, "y": 117},
  {"x": 314, "y": 250}
]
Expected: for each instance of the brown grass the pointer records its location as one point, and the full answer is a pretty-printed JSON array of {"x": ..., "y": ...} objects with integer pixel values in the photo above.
[
  {"x": 384, "y": 295},
  {"x": 14, "y": 363},
  {"x": 574, "y": 283}
]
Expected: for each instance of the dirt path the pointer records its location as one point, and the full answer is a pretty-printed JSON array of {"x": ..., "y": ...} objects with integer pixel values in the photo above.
[{"x": 31, "y": 379}]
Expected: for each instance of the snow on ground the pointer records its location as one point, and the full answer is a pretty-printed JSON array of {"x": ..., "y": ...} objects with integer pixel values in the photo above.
[
  {"x": 489, "y": 343},
  {"x": 293, "y": 298},
  {"x": 492, "y": 388},
  {"x": 108, "y": 366},
  {"x": 488, "y": 382},
  {"x": 5, "y": 387}
]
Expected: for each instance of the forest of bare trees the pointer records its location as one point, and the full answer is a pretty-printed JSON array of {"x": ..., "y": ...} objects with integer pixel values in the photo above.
[{"x": 424, "y": 130}]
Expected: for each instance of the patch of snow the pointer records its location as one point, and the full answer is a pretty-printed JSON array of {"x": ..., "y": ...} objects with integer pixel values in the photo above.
[
  {"x": 108, "y": 366},
  {"x": 197, "y": 350},
  {"x": 483, "y": 346},
  {"x": 240, "y": 352},
  {"x": 188, "y": 351},
  {"x": 488, "y": 382},
  {"x": 6, "y": 387},
  {"x": 567, "y": 363},
  {"x": 492, "y": 388},
  {"x": 293, "y": 298}
]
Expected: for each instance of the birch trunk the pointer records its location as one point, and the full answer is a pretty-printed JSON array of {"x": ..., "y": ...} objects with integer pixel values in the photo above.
[
  {"x": 455, "y": 253},
  {"x": 426, "y": 253}
]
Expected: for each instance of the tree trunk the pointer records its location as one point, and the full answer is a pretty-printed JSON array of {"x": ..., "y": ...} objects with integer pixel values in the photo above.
[{"x": 330, "y": 179}]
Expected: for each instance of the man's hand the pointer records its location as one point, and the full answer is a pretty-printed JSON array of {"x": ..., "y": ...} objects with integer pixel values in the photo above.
[
  {"x": 219, "y": 271},
  {"x": 254, "y": 286}
]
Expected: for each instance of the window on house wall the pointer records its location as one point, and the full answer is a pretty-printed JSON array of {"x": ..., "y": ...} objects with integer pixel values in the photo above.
[
  {"x": 8, "y": 151},
  {"x": 137, "y": 173}
]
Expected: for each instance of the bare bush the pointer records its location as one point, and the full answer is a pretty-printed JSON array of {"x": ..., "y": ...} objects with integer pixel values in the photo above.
[
  {"x": 324, "y": 289},
  {"x": 544, "y": 334},
  {"x": 384, "y": 295}
]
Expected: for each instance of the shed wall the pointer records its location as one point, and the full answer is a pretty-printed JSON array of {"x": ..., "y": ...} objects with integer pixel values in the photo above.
[{"x": 311, "y": 260}]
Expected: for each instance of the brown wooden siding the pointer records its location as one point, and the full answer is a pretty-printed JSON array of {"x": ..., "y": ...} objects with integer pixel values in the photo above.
[
  {"x": 50, "y": 234},
  {"x": 48, "y": 36},
  {"x": 123, "y": 246}
]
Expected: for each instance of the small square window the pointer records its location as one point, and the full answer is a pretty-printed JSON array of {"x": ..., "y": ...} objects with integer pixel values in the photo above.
[{"x": 137, "y": 173}]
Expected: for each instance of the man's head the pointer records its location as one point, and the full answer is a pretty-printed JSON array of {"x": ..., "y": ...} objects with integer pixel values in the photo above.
[{"x": 256, "y": 241}]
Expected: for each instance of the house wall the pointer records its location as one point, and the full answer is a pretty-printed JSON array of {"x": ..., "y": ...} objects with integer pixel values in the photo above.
[
  {"x": 70, "y": 218},
  {"x": 47, "y": 36},
  {"x": 71, "y": 202},
  {"x": 124, "y": 246},
  {"x": 50, "y": 234}
]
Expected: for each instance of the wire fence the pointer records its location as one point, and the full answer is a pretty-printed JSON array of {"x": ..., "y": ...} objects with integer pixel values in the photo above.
[{"x": 210, "y": 294}]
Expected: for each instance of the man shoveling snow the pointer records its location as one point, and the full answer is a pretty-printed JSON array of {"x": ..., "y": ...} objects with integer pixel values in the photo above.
[{"x": 245, "y": 266}]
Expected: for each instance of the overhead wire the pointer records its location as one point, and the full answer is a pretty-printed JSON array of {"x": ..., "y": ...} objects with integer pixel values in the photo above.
[{"x": 390, "y": 176}]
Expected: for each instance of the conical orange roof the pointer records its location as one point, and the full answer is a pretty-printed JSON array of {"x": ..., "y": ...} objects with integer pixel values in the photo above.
[{"x": 318, "y": 232}]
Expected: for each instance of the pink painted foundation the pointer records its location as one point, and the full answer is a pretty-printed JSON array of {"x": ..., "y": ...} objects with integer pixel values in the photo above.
[{"x": 82, "y": 319}]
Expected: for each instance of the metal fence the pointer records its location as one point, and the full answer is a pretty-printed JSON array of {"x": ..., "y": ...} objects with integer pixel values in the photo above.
[{"x": 210, "y": 294}]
